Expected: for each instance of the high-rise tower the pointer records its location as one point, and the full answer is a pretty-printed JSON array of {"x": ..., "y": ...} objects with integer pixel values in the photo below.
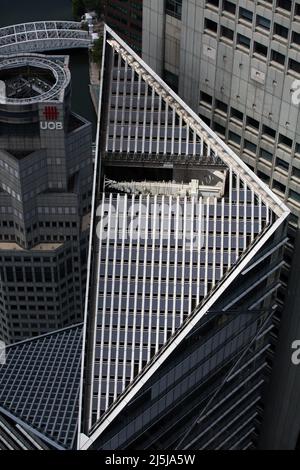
[
  {"x": 45, "y": 186},
  {"x": 237, "y": 64}
]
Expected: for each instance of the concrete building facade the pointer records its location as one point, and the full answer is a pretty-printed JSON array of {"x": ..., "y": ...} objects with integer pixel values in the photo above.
[{"x": 237, "y": 64}]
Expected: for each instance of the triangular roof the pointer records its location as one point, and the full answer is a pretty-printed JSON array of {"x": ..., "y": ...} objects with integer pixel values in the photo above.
[{"x": 142, "y": 120}]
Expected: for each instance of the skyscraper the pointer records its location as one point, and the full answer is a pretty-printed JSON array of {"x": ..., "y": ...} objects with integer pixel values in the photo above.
[
  {"x": 181, "y": 318},
  {"x": 237, "y": 64},
  {"x": 45, "y": 187},
  {"x": 126, "y": 18}
]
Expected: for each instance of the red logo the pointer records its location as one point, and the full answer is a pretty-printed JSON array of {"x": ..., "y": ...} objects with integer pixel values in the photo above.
[{"x": 51, "y": 113}]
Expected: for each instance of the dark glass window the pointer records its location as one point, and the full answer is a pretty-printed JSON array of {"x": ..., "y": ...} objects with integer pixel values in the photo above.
[
  {"x": 263, "y": 22},
  {"x": 205, "y": 97},
  {"x": 277, "y": 57},
  {"x": 229, "y": 7},
  {"x": 279, "y": 186},
  {"x": 296, "y": 37},
  {"x": 285, "y": 141},
  {"x": 281, "y": 31},
  {"x": 174, "y": 8},
  {"x": 260, "y": 49},
  {"x": 227, "y": 33},
  {"x": 243, "y": 40},
  {"x": 215, "y": 3},
  {"x": 252, "y": 122},
  {"x": 282, "y": 164},
  {"x": 235, "y": 113},
  {"x": 210, "y": 25},
  {"x": 266, "y": 155},
  {"x": 268, "y": 131},
  {"x": 222, "y": 106},
  {"x": 284, "y": 4},
  {"x": 294, "y": 195},
  {"x": 171, "y": 79},
  {"x": 246, "y": 15}
]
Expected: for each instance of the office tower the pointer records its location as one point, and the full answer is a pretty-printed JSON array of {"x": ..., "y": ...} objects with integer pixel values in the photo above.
[
  {"x": 181, "y": 314},
  {"x": 237, "y": 65},
  {"x": 45, "y": 186},
  {"x": 126, "y": 18}
]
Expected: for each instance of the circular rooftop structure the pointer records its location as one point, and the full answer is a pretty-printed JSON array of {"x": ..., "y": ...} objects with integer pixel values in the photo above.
[{"x": 32, "y": 78}]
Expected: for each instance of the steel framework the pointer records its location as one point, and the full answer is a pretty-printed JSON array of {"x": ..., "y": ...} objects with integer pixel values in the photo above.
[{"x": 43, "y": 36}]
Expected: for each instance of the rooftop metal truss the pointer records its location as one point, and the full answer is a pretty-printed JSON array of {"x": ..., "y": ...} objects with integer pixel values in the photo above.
[
  {"x": 43, "y": 36},
  {"x": 56, "y": 65}
]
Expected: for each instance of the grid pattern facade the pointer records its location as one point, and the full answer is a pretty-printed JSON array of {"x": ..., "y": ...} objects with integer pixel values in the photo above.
[
  {"x": 125, "y": 17},
  {"x": 40, "y": 384},
  {"x": 239, "y": 78},
  {"x": 237, "y": 65},
  {"x": 153, "y": 277}
]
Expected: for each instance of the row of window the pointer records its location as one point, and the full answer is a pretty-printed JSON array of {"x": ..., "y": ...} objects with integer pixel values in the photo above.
[
  {"x": 230, "y": 7},
  {"x": 259, "y": 50},
  {"x": 252, "y": 125}
]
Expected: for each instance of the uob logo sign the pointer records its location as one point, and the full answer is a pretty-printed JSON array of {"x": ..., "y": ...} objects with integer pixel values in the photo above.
[
  {"x": 51, "y": 115},
  {"x": 296, "y": 92}
]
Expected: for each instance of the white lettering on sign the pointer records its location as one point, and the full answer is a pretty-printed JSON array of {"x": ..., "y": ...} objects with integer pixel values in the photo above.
[{"x": 51, "y": 126}]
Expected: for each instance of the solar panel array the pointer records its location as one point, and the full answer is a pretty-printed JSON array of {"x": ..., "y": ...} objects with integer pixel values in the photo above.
[{"x": 150, "y": 279}]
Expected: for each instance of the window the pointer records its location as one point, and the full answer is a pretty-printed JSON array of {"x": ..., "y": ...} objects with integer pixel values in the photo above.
[
  {"x": 227, "y": 33},
  {"x": 236, "y": 115},
  {"x": 296, "y": 173},
  {"x": 263, "y": 177},
  {"x": 285, "y": 141},
  {"x": 171, "y": 79},
  {"x": 205, "y": 98},
  {"x": 263, "y": 22},
  {"x": 280, "y": 31},
  {"x": 253, "y": 123},
  {"x": 294, "y": 195},
  {"x": 297, "y": 9},
  {"x": 210, "y": 25},
  {"x": 219, "y": 129},
  {"x": 260, "y": 49},
  {"x": 221, "y": 106},
  {"x": 173, "y": 8},
  {"x": 245, "y": 15},
  {"x": 279, "y": 186},
  {"x": 229, "y": 7},
  {"x": 249, "y": 146},
  {"x": 282, "y": 164},
  {"x": 214, "y": 3},
  {"x": 265, "y": 155},
  {"x": 267, "y": 131},
  {"x": 296, "y": 38},
  {"x": 233, "y": 137},
  {"x": 277, "y": 57},
  {"x": 284, "y": 4},
  {"x": 243, "y": 41}
]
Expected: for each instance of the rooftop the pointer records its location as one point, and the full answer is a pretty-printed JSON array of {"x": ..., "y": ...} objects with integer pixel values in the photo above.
[{"x": 31, "y": 78}]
